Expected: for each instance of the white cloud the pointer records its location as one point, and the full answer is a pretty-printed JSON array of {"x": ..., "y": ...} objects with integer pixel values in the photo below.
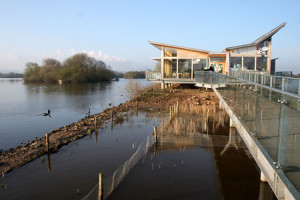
[{"x": 12, "y": 61}]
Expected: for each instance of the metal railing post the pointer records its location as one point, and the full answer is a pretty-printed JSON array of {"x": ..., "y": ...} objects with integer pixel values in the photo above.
[
  {"x": 283, "y": 83},
  {"x": 283, "y": 129}
]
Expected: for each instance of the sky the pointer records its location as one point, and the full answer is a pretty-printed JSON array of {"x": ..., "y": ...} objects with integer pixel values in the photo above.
[{"x": 117, "y": 32}]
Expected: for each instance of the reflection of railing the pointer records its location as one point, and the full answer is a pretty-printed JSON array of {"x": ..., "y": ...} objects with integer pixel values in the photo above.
[
  {"x": 204, "y": 77},
  {"x": 287, "y": 84},
  {"x": 153, "y": 75}
]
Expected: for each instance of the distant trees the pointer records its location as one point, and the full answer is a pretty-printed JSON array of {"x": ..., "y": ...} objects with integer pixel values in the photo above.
[
  {"x": 134, "y": 74},
  {"x": 78, "y": 68},
  {"x": 11, "y": 75}
]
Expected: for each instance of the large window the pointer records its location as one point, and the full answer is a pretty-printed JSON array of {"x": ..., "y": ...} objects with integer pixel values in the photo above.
[
  {"x": 249, "y": 63},
  {"x": 170, "y": 52},
  {"x": 235, "y": 63},
  {"x": 261, "y": 64},
  {"x": 184, "y": 68},
  {"x": 217, "y": 59},
  {"x": 170, "y": 68},
  {"x": 199, "y": 64}
]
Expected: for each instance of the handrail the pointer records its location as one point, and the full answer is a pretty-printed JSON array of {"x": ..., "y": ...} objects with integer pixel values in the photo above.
[{"x": 287, "y": 85}]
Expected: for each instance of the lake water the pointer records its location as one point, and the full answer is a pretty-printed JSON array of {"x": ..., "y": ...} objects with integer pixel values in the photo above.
[
  {"x": 21, "y": 106},
  {"x": 193, "y": 159}
]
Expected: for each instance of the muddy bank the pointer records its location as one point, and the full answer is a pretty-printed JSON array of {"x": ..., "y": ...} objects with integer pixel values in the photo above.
[{"x": 150, "y": 99}]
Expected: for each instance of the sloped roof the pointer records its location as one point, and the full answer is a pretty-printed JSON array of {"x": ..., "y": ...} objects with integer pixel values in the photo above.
[
  {"x": 261, "y": 39},
  {"x": 159, "y": 45}
]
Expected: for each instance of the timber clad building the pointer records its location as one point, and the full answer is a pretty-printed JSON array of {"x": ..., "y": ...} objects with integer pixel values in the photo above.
[{"x": 179, "y": 64}]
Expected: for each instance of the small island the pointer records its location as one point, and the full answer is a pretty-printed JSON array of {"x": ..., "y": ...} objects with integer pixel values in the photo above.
[{"x": 79, "y": 68}]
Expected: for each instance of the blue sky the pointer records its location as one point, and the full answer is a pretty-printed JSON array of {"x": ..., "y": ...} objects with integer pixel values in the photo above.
[{"x": 118, "y": 32}]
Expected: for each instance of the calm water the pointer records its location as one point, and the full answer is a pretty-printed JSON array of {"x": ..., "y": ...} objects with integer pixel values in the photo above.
[
  {"x": 192, "y": 160},
  {"x": 21, "y": 106}
]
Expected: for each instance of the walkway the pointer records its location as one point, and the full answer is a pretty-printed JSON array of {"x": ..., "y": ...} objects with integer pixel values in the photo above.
[{"x": 268, "y": 119}]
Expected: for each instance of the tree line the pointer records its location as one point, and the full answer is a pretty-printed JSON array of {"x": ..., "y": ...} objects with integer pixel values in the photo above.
[
  {"x": 134, "y": 74},
  {"x": 11, "y": 75},
  {"x": 78, "y": 68}
]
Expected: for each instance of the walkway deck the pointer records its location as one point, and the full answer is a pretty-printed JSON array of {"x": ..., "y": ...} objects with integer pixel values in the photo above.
[{"x": 269, "y": 123}]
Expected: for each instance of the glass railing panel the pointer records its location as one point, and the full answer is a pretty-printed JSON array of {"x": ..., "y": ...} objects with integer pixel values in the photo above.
[
  {"x": 291, "y": 85},
  {"x": 267, "y": 80},
  {"x": 290, "y": 139},
  {"x": 277, "y": 82},
  {"x": 267, "y": 118},
  {"x": 259, "y": 78}
]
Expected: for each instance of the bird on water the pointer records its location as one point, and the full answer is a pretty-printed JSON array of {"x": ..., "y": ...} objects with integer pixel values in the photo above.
[{"x": 47, "y": 114}]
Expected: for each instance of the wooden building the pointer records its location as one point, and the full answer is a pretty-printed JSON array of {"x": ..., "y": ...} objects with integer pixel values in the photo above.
[{"x": 179, "y": 64}]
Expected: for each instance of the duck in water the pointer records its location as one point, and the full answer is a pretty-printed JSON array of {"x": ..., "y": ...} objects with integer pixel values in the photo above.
[
  {"x": 47, "y": 114},
  {"x": 88, "y": 113}
]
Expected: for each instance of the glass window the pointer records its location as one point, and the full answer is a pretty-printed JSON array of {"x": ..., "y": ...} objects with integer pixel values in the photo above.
[
  {"x": 184, "y": 68},
  {"x": 249, "y": 63},
  {"x": 263, "y": 44},
  {"x": 261, "y": 64},
  {"x": 199, "y": 64},
  {"x": 217, "y": 59},
  {"x": 235, "y": 63},
  {"x": 170, "y": 52},
  {"x": 170, "y": 68}
]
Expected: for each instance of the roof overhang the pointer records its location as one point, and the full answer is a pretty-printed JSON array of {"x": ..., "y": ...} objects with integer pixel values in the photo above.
[
  {"x": 220, "y": 54},
  {"x": 266, "y": 36},
  {"x": 160, "y": 45},
  {"x": 156, "y": 58}
]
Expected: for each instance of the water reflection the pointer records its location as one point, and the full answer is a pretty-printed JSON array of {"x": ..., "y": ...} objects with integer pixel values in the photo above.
[
  {"x": 22, "y": 105},
  {"x": 197, "y": 156}
]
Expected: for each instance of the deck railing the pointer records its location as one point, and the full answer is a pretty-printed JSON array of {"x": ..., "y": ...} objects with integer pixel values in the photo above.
[
  {"x": 153, "y": 75},
  {"x": 208, "y": 77},
  {"x": 287, "y": 84},
  {"x": 272, "y": 117}
]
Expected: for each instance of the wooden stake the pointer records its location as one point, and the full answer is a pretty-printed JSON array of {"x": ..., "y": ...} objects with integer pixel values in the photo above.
[
  {"x": 47, "y": 142},
  {"x": 111, "y": 115},
  {"x": 126, "y": 108},
  {"x": 95, "y": 122},
  {"x": 155, "y": 134},
  {"x": 136, "y": 105},
  {"x": 100, "y": 191}
]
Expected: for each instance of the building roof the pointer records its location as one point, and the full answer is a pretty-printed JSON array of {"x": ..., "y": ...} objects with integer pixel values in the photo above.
[
  {"x": 261, "y": 39},
  {"x": 159, "y": 45}
]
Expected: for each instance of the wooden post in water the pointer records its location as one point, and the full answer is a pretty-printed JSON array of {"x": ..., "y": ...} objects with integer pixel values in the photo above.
[
  {"x": 100, "y": 190},
  {"x": 136, "y": 105},
  {"x": 155, "y": 134},
  {"x": 49, "y": 162},
  {"x": 95, "y": 122},
  {"x": 126, "y": 108},
  {"x": 111, "y": 115},
  {"x": 47, "y": 142}
]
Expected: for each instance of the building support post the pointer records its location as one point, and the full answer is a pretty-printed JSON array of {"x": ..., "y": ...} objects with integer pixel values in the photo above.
[
  {"x": 231, "y": 125},
  {"x": 262, "y": 177}
]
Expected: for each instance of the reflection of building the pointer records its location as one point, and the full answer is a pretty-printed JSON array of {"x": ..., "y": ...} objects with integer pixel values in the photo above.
[{"x": 181, "y": 63}]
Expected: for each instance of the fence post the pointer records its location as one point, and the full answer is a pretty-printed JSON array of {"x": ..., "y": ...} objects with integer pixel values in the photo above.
[
  {"x": 100, "y": 190},
  {"x": 47, "y": 142},
  {"x": 283, "y": 84},
  {"x": 155, "y": 134},
  {"x": 271, "y": 81}
]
